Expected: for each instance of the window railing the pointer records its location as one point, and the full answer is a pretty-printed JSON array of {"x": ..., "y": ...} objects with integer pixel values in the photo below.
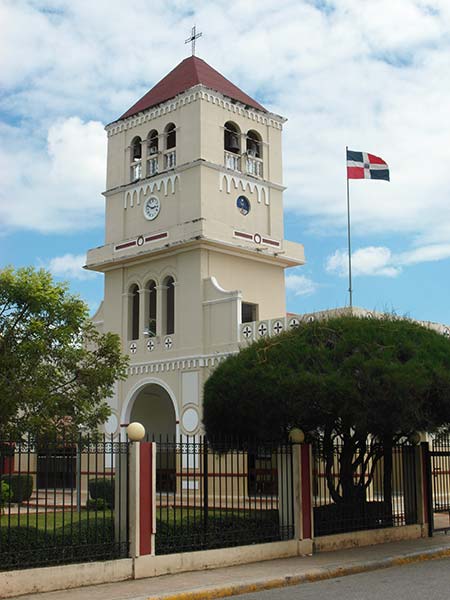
[
  {"x": 136, "y": 171},
  {"x": 170, "y": 159},
  {"x": 152, "y": 166},
  {"x": 254, "y": 166},
  {"x": 232, "y": 161}
]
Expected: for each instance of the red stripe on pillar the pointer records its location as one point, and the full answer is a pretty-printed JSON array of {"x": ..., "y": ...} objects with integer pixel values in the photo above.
[
  {"x": 306, "y": 491},
  {"x": 145, "y": 498}
]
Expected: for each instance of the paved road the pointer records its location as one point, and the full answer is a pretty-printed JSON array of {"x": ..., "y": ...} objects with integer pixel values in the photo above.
[{"x": 421, "y": 581}]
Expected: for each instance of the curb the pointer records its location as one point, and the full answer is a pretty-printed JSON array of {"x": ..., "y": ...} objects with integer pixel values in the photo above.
[{"x": 316, "y": 574}]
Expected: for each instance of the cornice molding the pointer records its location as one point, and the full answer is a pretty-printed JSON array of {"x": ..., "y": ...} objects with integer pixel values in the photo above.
[
  {"x": 199, "y": 361},
  {"x": 198, "y": 92},
  {"x": 170, "y": 176}
]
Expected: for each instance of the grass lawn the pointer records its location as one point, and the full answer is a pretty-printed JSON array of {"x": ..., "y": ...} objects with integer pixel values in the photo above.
[{"x": 54, "y": 520}]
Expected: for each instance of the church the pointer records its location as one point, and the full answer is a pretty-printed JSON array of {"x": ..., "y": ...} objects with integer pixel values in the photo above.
[{"x": 194, "y": 253}]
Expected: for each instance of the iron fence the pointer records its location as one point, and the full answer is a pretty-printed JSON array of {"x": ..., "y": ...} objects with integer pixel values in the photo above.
[
  {"x": 437, "y": 454},
  {"x": 219, "y": 494},
  {"x": 62, "y": 501},
  {"x": 366, "y": 487}
]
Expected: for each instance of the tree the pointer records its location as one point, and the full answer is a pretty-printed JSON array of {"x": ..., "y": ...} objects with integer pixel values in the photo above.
[
  {"x": 56, "y": 369},
  {"x": 345, "y": 379}
]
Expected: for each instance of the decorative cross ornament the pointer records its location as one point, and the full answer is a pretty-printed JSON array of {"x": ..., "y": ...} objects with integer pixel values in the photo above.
[
  {"x": 247, "y": 331},
  {"x": 168, "y": 343},
  {"x": 294, "y": 322},
  {"x": 262, "y": 329},
  {"x": 277, "y": 327},
  {"x": 191, "y": 40},
  {"x": 133, "y": 348},
  {"x": 150, "y": 345}
]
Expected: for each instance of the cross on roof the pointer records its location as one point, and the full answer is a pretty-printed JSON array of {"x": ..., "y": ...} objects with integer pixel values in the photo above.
[{"x": 194, "y": 36}]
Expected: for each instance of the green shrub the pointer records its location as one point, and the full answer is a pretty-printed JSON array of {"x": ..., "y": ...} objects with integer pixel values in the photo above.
[
  {"x": 84, "y": 541},
  {"x": 97, "y": 504},
  {"x": 102, "y": 487},
  {"x": 21, "y": 486},
  {"x": 5, "y": 494}
]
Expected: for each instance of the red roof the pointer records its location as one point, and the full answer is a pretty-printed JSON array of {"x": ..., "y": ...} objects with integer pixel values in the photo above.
[{"x": 191, "y": 71}]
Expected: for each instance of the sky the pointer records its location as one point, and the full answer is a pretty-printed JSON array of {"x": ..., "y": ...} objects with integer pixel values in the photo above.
[{"x": 373, "y": 76}]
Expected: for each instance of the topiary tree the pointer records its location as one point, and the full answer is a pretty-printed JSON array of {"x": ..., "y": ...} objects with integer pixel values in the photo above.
[{"x": 345, "y": 378}]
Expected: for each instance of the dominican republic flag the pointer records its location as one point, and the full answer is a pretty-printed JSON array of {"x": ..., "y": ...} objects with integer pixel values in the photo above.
[{"x": 362, "y": 165}]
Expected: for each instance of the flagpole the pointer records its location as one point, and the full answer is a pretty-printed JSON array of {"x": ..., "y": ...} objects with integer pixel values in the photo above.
[{"x": 350, "y": 289}]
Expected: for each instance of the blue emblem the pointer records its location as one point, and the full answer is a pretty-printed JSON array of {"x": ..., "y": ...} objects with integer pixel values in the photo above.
[{"x": 243, "y": 205}]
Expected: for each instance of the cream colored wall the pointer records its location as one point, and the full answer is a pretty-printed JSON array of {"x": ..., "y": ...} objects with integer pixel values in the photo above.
[
  {"x": 259, "y": 283},
  {"x": 219, "y": 209},
  {"x": 213, "y": 119},
  {"x": 211, "y": 280},
  {"x": 187, "y": 121}
]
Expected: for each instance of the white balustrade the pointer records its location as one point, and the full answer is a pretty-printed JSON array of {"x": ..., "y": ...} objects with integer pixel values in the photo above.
[
  {"x": 254, "y": 166},
  {"x": 170, "y": 159},
  {"x": 232, "y": 161},
  {"x": 136, "y": 170},
  {"x": 152, "y": 166}
]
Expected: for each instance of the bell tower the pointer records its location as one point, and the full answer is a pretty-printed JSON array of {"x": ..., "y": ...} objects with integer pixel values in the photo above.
[{"x": 194, "y": 245}]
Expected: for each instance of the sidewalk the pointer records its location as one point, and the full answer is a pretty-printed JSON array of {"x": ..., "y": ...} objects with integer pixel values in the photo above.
[{"x": 220, "y": 583}]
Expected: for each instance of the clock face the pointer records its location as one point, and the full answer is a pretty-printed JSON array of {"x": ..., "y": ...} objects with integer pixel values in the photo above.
[
  {"x": 152, "y": 207},
  {"x": 243, "y": 204}
]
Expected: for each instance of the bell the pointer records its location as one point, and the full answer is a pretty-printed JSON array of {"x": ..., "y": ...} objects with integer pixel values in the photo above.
[{"x": 233, "y": 143}]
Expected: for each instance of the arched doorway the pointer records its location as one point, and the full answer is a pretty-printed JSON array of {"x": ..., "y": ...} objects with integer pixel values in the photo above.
[{"x": 153, "y": 407}]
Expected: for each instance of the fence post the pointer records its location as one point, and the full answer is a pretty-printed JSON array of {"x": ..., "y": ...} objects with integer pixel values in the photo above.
[
  {"x": 297, "y": 484},
  {"x": 143, "y": 502},
  {"x": 121, "y": 490},
  {"x": 427, "y": 491},
  {"x": 306, "y": 491},
  {"x": 205, "y": 485},
  {"x": 134, "y": 506}
]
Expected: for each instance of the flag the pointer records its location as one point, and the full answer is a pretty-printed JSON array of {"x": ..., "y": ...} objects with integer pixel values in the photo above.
[{"x": 362, "y": 165}]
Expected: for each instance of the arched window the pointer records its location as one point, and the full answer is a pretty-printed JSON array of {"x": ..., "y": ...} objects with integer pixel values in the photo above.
[
  {"x": 169, "y": 284},
  {"x": 171, "y": 136},
  {"x": 232, "y": 138},
  {"x": 254, "y": 145},
  {"x": 152, "y": 141},
  {"x": 152, "y": 153},
  {"x": 232, "y": 146},
  {"x": 254, "y": 161},
  {"x": 133, "y": 328},
  {"x": 136, "y": 159},
  {"x": 170, "y": 157},
  {"x": 151, "y": 287}
]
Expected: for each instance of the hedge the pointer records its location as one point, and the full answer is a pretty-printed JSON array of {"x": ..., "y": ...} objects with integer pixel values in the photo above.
[
  {"x": 102, "y": 488},
  {"x": 21, "y": 486}
]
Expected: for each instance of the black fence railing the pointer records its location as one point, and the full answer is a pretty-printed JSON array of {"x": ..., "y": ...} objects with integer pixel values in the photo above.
[
  {"x": 368, "y": 488},
  {"x": 438, "y": 468},
  {"x": 62, "y": 501},
  {"x": 220, "y": 494}
]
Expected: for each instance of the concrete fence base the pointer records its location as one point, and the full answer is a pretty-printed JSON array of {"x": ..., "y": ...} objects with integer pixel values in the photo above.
[{"x": 340, "y": 541}]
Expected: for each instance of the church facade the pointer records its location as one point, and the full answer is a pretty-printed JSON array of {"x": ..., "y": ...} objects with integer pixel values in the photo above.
[{"x": 194, "y": 253}]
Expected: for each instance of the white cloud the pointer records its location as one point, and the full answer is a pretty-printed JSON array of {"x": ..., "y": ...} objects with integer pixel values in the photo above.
[
  {"x": 373, "y": 76},
  {"x": 380, "y": 261},
  {"x": 56, "y": 188},
  {"x": 70, "y": 266},
  {"x": 300, "y": 285},
  {"x": 365, "y": 261}
]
